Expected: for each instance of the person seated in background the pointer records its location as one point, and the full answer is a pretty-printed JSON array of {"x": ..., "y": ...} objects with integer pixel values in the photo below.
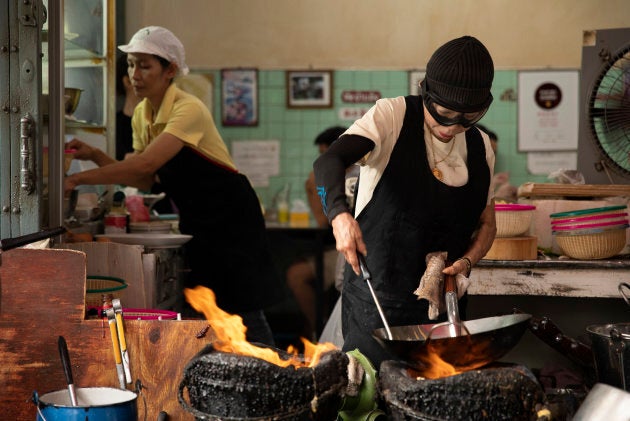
[
  {"x": 301, "y": 274},
  {"x": 500, "y": 184}
]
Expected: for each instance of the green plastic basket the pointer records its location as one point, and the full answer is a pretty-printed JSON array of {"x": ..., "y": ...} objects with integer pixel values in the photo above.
[{"x": 96, "y": 286}]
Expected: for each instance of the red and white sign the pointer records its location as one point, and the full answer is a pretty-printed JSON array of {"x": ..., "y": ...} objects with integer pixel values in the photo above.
[{"x": 357, "y": 97}]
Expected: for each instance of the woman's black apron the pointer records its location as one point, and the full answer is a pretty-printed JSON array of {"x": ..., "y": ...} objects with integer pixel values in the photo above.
[
  {"x": 411, "y": 214},
  {"x": 228, "y": 252}
]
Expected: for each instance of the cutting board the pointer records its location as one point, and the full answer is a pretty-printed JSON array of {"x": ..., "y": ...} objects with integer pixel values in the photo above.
[{"x": 513, "y": 248}]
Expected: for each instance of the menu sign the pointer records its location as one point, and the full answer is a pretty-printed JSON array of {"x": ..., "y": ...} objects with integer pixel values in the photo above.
[{"x": 548, "y": 110}]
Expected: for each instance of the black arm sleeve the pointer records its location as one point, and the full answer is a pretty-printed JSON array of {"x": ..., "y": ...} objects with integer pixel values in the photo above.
[{"x": 330, "y": 168}]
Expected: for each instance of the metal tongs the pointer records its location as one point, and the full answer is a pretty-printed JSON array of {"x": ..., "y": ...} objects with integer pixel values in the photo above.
[{"x": 367, "y": 276}]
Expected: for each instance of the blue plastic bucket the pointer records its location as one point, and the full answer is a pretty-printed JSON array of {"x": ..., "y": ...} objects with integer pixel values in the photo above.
[{"x": 94, "y": 404}]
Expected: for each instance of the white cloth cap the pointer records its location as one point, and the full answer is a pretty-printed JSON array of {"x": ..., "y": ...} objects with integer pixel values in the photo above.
[{"x": 160, "y": 42}]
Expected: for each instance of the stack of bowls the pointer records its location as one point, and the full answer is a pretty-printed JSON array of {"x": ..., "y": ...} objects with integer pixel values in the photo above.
[
  {"x": 595, "y": 233},
  {"x": 513, "y": 219},
  {"x": 150, "y": 227}
]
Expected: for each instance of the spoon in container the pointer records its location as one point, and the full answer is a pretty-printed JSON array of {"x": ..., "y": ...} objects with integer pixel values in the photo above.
[{"x": 67, "y": 368}]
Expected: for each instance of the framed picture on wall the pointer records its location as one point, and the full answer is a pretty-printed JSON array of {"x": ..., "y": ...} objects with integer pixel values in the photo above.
[
  {"x": 415, "y": 77},
  {"x": 309, "y": 89},
  {"x": 239, "y": 97}
]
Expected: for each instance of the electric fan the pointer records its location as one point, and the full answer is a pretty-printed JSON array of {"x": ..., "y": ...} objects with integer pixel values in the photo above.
[{"x": 604, "y": 136}]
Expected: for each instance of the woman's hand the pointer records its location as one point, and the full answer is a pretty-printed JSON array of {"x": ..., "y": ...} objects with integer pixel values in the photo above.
[
  {"x": 69, "y": 184},
  {"x": 81, "y": 150},
  {"x": 349, "y": 239},
  {"x": 458, "y": 266},
  {"x": 85, "y": 152}
]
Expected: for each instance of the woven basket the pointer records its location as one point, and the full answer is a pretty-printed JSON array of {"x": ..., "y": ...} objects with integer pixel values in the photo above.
[
  {"x": 96, "y": 286},
  {"x": 593, "y": 246},
  {"x": 513, "y": 223}
]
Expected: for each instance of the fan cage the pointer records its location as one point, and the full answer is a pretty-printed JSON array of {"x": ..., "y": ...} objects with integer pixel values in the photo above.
[{"x": 609, "y": 112}]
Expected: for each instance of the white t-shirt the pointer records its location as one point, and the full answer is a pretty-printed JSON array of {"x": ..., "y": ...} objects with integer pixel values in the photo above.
[{"x": 382, "y": 124}]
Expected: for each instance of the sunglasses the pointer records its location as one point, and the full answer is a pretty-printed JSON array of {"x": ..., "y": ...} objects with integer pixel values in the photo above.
[{"x": 445, "y": 117}]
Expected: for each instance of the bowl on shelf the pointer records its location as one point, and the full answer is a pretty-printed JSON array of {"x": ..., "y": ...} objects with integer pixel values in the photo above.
[
  {"x": 575, "y": 227},
  {"x": 589, "y": 219},
  {"x": 71, "y": 97},
  {"x": 513, "y": 219},
  {"x": 592, "y": 244},
  {"x": 583, "y": 213}
]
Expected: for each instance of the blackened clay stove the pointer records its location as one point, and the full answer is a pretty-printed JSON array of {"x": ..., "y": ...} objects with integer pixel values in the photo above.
[{"x": 226, "y": 386}]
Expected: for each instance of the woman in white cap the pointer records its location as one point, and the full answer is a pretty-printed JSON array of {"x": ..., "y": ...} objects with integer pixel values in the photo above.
[
  {"x": 176, "y": 141},
  {"x": 424, "y": 187}
]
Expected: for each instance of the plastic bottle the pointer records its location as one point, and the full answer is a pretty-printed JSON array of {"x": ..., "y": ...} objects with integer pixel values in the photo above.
[{"x": 282, "y": 204}]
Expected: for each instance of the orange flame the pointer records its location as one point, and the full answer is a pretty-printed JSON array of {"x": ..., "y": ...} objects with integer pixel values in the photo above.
[
  {"x": 436, "y": 367},
  {"x": 230, "y": 334}
]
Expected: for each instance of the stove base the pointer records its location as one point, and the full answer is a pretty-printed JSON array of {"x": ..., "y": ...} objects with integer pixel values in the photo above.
[{"x": 495, "y": 393}]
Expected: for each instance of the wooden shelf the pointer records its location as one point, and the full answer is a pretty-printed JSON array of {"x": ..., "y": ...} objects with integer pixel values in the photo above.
[{"x": 573, "y": 190}]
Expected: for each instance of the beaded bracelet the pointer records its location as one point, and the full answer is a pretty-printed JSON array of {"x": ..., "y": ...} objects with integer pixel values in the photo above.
[{"x": 468, "y": 264}]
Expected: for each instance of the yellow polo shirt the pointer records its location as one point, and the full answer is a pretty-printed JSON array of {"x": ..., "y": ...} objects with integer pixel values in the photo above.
[{"x": 184, "y": 116}]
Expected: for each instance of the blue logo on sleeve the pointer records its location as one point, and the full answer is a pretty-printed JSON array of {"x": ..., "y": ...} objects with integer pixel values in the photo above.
[{"x": 321, "y": 192}]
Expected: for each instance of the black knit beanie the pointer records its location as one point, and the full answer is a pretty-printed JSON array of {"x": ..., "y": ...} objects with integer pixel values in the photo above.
[{"x": 459, "y": 75}]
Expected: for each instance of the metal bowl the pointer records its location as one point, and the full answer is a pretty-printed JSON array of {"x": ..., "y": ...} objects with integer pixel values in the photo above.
[{"x": 71, "y": 98}]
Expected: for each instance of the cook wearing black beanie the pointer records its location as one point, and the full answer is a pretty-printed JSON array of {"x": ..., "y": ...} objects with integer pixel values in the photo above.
[{"x": 424, "y": 207}]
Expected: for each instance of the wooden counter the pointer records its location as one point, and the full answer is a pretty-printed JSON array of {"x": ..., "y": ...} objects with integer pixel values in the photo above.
[
  {"x": 42, "y": 295},
  {"x": 553, "y": 278}
]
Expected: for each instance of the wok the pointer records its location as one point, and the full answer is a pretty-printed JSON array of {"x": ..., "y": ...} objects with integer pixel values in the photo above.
[{"x": 482, "y": 341}]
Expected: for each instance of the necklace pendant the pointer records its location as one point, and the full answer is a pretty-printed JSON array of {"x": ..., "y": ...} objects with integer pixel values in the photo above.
[{"x": 437, "y": 173}]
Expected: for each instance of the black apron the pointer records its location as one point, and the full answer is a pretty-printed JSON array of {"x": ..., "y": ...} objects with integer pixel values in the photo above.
[
  {"x": 228, "y": 252},
  {"x": 411, "y": 214}
]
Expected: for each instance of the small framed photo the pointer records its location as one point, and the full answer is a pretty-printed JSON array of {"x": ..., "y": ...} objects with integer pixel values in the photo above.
[
  {"x": 309, "y": 89},
  {"x": 415, "y": 77},
  {"x": 239, "y": 97}
]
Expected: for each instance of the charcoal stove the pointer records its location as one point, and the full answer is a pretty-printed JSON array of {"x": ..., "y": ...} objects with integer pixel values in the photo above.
[
  {"x": 227, "y": 386},
  {"x": 495, "y": 392}
]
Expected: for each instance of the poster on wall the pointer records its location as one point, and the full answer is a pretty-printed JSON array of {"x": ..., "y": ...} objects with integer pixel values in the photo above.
[
  {"x": 257, "y": 159},
  {"x": 548, "y": 110},
  {"x": 239, "y": 97}
]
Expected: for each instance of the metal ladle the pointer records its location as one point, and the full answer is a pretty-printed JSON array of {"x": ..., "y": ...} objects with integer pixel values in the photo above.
[{"x": 367, "y": 276}]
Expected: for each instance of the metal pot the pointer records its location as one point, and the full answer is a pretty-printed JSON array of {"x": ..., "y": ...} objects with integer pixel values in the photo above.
[
  {"x": 94, "y": 403},
  {"x": 611, "y": 353}
]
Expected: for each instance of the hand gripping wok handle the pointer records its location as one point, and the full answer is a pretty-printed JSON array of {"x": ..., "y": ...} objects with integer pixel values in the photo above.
[
  {"x": 450, "y": 295},
  {"x": 452, "y": 308}
]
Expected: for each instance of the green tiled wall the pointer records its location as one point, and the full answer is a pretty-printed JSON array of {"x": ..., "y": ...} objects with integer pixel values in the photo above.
[{"x": 296, "y": 129}]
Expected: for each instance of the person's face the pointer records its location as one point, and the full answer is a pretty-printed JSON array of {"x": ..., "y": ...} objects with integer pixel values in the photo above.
[
  {"x": 148, "y": 78},
  {"x": 322, "y": 147},
  {"x": 442, "y": 133}
]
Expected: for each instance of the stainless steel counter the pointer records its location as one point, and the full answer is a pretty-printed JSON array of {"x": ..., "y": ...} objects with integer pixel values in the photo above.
[{"x": 554, "y": 277}]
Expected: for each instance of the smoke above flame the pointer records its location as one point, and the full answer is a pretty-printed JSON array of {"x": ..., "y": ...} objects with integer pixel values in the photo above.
[{"x": 230, "y": 334}]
